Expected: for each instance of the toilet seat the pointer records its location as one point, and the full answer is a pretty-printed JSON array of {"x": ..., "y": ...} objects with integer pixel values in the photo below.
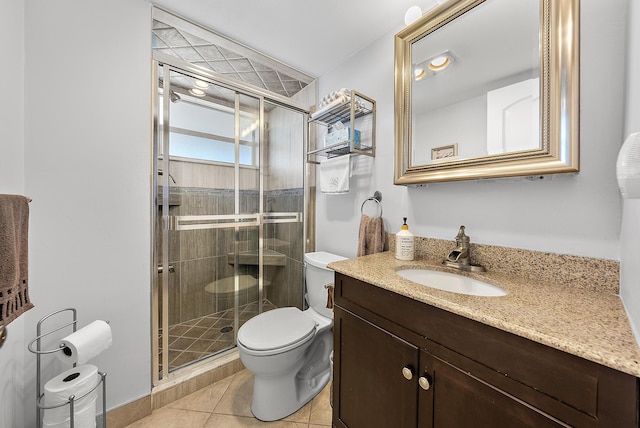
[{"x": 276, "y": 331}]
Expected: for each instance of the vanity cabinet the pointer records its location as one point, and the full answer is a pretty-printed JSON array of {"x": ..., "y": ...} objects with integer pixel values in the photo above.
[
  {"x": 403, "y": 363},
  {"x": 373, "y": 390}
]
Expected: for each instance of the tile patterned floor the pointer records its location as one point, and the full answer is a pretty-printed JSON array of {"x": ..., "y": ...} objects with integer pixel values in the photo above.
[
  {"x": 227, "y": 404},
  {"x": 199, "y": 338}
]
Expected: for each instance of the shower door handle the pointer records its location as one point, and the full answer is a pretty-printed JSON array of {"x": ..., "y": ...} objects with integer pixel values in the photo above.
[{"x": 171, "y": 269}]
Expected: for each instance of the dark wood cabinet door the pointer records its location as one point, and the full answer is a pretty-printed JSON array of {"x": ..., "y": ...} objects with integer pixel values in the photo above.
[
  {"x": 456, "y": 399},
  {"x": 476, "y": 375},
  {"x": 370, "y": 387}
]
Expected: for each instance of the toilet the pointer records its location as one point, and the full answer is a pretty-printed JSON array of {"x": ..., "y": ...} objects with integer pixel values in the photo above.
[{"x": 288, "y": 349}]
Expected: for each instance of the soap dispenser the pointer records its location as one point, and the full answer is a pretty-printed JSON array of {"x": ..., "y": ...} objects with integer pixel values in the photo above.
[{"x": 405, "y": 243}]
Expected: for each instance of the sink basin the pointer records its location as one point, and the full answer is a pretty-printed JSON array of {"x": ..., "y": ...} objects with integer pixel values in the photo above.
[{"x": 451, "y": 282}]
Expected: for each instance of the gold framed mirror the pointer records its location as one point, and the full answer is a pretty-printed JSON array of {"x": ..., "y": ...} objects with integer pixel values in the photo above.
[{"x": 488, "y": 89}]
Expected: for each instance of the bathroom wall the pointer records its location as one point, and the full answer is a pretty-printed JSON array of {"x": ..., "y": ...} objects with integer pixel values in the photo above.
[
  {"x": 87, "y": 154},
  {"x": 630, "y": 231},
  {"x": 571, "y": 213},
  {"x": 84, "y": 154},
  {"x": 12, "y": 353}
]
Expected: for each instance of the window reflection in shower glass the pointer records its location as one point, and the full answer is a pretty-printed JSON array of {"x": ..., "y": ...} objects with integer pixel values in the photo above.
[
  {"x": 190, "y": 146},
  {"x": 205, "y": 130}
]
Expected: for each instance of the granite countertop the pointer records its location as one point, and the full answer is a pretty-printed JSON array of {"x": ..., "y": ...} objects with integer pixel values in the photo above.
[{"x": 588, "y": 323}]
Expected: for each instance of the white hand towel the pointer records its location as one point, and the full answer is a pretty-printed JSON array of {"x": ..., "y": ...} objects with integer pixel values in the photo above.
[{"x": 334, "y": 175}]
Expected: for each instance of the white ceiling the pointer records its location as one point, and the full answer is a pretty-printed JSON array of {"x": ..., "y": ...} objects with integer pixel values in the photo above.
[{"x": 312, "y": 36}]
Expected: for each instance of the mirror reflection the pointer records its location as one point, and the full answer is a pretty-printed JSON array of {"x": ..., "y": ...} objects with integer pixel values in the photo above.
[
  {"x": 475, "y": 86},
  {"x": 486, "y": 89}
]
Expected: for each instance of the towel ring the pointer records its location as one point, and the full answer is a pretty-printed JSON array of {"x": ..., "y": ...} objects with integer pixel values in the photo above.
[{"x": 377, "y": 198}]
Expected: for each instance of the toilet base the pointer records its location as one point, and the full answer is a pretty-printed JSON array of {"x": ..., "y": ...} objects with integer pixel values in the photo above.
[
  {"x": 273, "y": 404},
  {"x": 284, "y": 389}
]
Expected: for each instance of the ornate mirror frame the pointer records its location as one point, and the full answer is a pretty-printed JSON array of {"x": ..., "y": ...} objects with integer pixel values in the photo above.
[{"x": 559, "y": 96}]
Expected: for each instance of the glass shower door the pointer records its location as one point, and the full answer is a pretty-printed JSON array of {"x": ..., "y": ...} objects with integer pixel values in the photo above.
[
  {"x": 284, "y": 201},
  {"x": 209, "y": 217}
]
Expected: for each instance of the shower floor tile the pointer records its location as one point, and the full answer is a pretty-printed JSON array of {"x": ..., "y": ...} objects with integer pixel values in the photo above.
[{"x": 195, "y": 339}]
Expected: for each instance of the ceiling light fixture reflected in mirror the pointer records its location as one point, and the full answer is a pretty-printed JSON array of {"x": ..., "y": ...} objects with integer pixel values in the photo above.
[
  {"x": 434, "y": 64},
  {"x": 200, "y": 84},
  {"x": 197, "y": 92},
  {"x": 439, "y": 63}
]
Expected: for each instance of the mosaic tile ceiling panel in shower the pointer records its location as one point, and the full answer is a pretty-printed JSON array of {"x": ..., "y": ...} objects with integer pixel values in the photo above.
[{"x": 188, "y": 47}]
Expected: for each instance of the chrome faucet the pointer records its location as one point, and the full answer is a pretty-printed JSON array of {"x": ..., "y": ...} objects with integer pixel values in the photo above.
[{"x": 460, "y": 256}]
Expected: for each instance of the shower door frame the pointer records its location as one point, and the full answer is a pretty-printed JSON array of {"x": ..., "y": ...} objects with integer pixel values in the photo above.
[{"x": 169, "y": 63}]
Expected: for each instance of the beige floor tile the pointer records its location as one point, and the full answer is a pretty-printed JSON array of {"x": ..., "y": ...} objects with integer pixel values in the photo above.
[
  {"x": 321, "y": 408},
  {"x": 301, "y": 415},
  {"x": 205, "y": 399},
  {"x": 227, "y": 403},
  {"x": 172, "y": 418},
  {"x": 233, "y": 421},
  {"x": 237, "y": 399}
]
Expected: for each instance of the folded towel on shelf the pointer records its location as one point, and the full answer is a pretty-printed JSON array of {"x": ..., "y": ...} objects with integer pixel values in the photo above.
[
  {"x": 371, "y": 235},
  {"x": 14, "y": 262},
  {"x": 334, "y": 175},
  {"x": 328, "y": 106},
  {"x": 340, "y": 93},
  {"x": 359, "y": 106}
]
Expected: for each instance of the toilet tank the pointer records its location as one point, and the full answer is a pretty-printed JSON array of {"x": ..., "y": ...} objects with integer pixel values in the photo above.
[{"x": 317, "y": 275}]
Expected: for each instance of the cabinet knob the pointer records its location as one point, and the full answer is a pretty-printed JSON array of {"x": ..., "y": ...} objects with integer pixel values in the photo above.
[
  {"x": 407, "y": 372},
  {"x": 424, "y": 383}
]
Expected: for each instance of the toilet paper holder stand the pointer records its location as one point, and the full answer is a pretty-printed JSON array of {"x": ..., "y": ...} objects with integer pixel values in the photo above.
[{"x": 39, "y": 385}]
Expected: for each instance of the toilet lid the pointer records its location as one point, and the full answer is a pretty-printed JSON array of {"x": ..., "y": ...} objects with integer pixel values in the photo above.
[{"x": 276, "y": 329}]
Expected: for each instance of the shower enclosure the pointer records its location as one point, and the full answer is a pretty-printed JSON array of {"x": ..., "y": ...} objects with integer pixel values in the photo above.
[{"x": 230, "y": 201}]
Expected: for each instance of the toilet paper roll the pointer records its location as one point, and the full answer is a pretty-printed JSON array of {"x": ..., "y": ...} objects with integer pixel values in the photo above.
[
  {"x": 83, "y": 419},
  {"x": 86, "y": 343},
  {"x": 77, "y": 381}
]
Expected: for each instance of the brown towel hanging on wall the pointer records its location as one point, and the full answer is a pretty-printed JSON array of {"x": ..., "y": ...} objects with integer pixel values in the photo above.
[
  {"x": 14, "y": 263},
  {"x": 371, "y": 236}
]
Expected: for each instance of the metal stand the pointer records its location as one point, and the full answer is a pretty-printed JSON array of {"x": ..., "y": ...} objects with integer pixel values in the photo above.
[{"x": 72, "y": 399}]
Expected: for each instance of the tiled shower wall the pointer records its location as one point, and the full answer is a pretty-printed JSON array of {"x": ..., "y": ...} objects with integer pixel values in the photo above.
[
  {"x": 286, "y": 287},
  {"x": 200, "y": 257}
]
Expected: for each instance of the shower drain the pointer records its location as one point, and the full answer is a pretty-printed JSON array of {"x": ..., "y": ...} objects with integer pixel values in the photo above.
[{"x": 226, "y": 329}]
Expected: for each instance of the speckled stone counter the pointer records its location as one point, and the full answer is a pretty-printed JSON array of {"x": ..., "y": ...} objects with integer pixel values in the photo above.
[{"x": 589, "y": 322}]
